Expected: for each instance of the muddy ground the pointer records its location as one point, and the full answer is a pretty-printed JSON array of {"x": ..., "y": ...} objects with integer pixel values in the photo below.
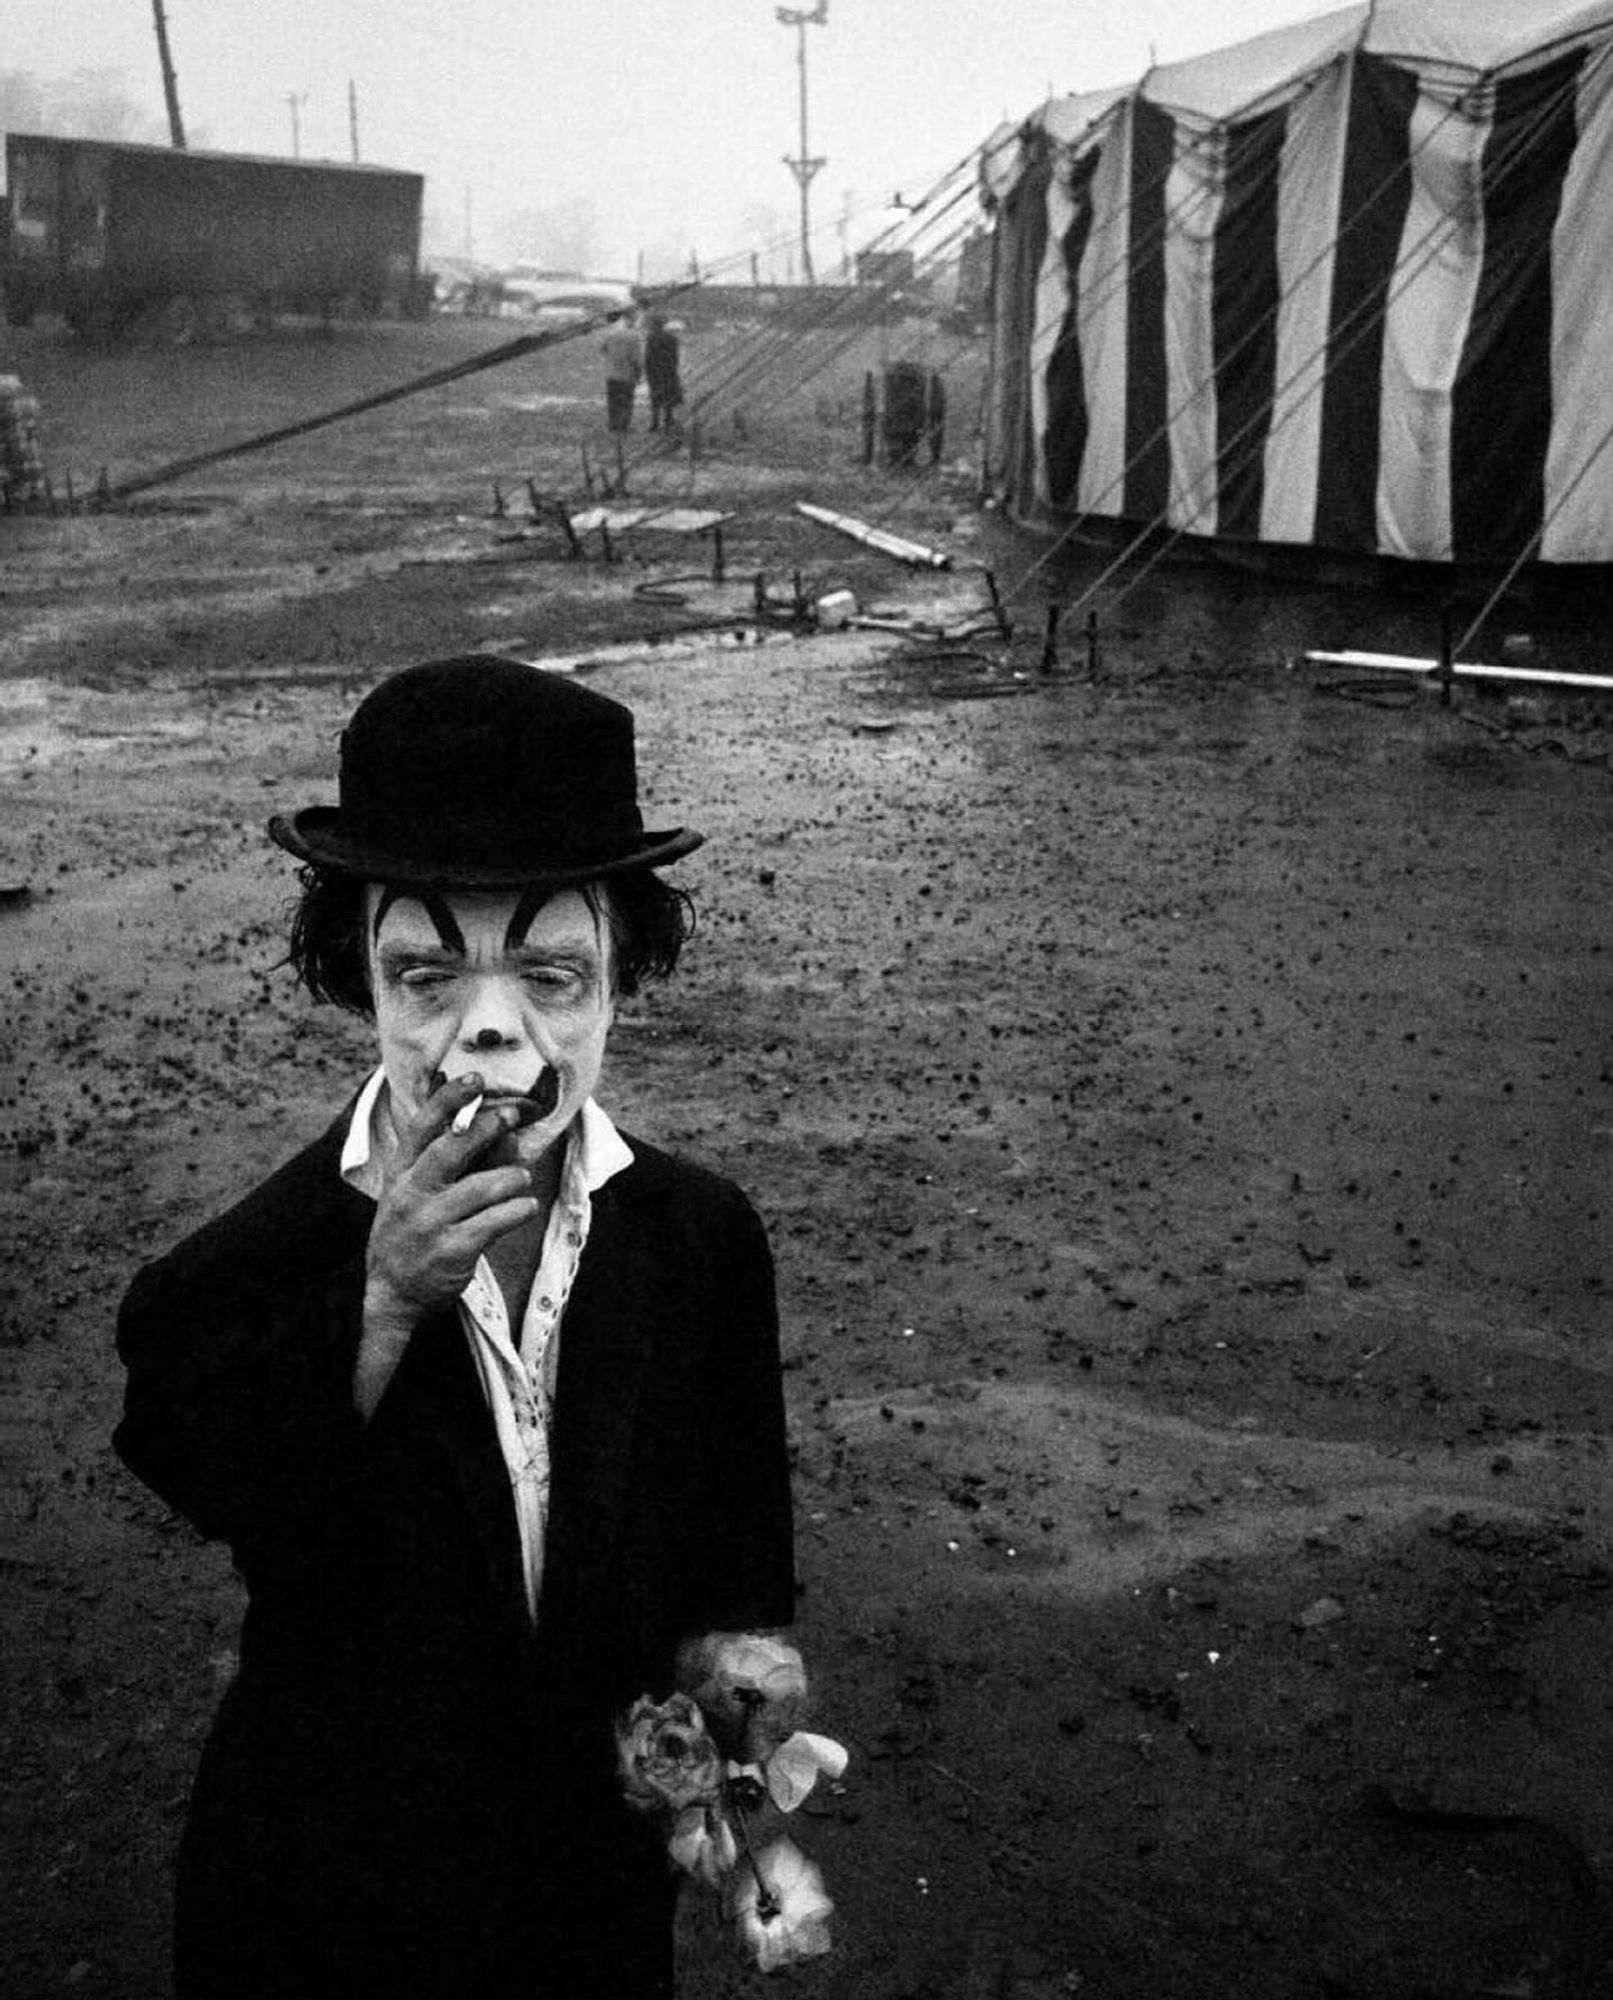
[{"x": 1181, "y": 1097}]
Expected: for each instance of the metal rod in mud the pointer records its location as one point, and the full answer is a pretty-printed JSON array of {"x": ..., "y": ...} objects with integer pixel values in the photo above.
[
  {"x": 1050, "y": 638},
  {"x": 1005, "y": 625},
  {"x": 1400, "y": 663},
  {"x": 914, "y": 553}
]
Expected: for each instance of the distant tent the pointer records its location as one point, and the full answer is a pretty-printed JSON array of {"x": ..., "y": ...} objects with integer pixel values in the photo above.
[{"x": 1346, "y": 285}]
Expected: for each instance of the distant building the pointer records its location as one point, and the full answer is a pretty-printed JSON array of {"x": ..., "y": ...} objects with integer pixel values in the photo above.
[{"x": 891, "y": 270}]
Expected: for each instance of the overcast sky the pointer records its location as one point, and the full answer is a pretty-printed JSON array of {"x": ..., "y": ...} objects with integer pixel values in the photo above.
[{"x": 670, "y": 118}]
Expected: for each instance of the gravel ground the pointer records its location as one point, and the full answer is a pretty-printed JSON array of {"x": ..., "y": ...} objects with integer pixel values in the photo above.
[{"x": 1180, "y": 1096}]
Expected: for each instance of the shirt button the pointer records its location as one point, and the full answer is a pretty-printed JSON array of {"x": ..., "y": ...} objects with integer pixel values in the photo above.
[{"x": 546, "y": 1305}]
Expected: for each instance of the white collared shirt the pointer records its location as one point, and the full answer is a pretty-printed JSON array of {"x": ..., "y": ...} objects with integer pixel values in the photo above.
[{"x": 518, "y": 1379}]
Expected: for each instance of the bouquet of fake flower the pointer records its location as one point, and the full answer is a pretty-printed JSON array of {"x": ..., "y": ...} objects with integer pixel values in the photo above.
[{"x": 725, "y": 1747}]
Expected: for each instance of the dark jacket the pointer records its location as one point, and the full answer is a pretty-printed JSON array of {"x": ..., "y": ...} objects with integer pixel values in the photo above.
[
  {"x": 661, "y": 374},
  {"x": 407, "y": 1789}
]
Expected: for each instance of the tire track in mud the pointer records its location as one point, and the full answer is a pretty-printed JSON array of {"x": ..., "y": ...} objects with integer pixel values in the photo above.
[{"x": 1084, "y": 1496}]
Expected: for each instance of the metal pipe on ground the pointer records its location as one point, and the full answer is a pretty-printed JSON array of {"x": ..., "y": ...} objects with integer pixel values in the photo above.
[{"x": 1401, "y": 663}]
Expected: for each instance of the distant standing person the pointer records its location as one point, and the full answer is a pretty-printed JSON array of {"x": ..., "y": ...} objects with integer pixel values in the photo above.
[
  {"x": 624, "y": 363},
  {"x": 661, "y": 377}
]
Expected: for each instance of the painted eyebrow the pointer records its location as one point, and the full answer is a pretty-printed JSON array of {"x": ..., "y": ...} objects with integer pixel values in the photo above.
[
  {"x": 442, "y": 918},
  {"x": 532, "y": 900},
  {"x": 538, "y": 897}
]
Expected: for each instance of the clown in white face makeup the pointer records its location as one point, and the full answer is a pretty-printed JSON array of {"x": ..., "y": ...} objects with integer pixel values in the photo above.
[
  {"x": 483, "y": 1393},
  {"x": 513, "y": 987}
]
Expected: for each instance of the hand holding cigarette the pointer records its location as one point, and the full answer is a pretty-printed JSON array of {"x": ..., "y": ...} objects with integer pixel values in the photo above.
[{"x": 441, "y": 1210}]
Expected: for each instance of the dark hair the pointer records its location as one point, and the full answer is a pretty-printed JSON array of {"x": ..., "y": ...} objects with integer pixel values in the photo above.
[{"x": 328, "y": 949}]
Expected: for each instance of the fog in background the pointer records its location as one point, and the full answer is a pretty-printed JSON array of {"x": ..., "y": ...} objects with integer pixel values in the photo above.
[{"x": 621, "y": 137}]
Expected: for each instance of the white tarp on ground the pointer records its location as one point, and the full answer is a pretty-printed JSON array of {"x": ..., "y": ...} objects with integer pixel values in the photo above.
[{"x": 1347, "y": 284}]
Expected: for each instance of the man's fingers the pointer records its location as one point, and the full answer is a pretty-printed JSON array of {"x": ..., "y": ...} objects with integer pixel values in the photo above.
[
  {"x": 444, "y": 1155},
  {"x": 461, "y": 1199},
  {"x": 437, "y": 1114},
  {"x": 488, "y": 1225}
]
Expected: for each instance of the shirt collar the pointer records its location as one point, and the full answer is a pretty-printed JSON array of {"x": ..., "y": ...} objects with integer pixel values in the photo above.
[
  {"x": 595, "y": 1151},
  {"x": 361, "y": 1165}
]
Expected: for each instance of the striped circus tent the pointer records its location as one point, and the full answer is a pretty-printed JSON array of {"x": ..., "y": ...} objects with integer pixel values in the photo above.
[{"x": 1348, "y": 285}]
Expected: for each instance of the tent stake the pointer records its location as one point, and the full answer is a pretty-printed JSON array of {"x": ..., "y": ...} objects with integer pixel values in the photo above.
[
  {"x": 1446, "y": 657},
  {"x": 1050, "y": 638},
  {"x": 1092, "y": 642},
  {"x": 1005, "y": 625}
]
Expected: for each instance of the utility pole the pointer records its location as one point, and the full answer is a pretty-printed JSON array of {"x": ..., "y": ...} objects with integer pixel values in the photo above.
[
  {"x": 296, "y": 99},
  {"x": 170, "y": 88},
  {"x": 352, "y": 117},
  {"x": 804, "y": 166}
]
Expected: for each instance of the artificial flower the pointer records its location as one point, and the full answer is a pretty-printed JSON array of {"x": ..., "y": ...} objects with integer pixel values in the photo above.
[
  {"x": 666, "y": 1756},
  {"x": 779, "y": 1907},
  {"x": 797, "y": 1764},
  {"x": 727, "y": 1745},
  {"x": 702, "y": 1844},
  {"x": 750, "y": 1687}
]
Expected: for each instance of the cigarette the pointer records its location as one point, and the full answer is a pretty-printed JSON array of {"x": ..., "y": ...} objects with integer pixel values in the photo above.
[{"x": 465, "y": 1116}]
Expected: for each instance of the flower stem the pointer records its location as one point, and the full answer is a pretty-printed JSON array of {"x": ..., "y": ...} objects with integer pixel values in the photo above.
[{"x": 767, "y": 1904}]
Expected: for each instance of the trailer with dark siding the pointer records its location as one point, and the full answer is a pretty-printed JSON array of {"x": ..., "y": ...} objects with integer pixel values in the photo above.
[{"x": 104, "y": 232}]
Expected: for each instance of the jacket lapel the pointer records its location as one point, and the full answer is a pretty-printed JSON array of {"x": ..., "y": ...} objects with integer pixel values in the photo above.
[
  {"x": 603, "y": 1344},
  {"x": 435, "y": 1403},
  {"x": 604, "y": 1340},
  {"x": 439, "y": 1394}
]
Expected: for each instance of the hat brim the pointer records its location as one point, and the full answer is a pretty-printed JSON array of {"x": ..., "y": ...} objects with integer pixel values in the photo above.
[{"x": 316, "y": 836}]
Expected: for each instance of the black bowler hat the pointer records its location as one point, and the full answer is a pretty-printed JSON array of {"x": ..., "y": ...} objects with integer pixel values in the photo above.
[{"x": 480, "y": 772}]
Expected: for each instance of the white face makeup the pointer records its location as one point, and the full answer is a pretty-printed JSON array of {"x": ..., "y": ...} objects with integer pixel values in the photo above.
[{"x": 496, "y": 982}]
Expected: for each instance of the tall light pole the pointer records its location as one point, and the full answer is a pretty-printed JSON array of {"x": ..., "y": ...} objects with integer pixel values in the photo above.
[
  {"x": 170, "y": 88},
  {"x": 804, "y": 166}
]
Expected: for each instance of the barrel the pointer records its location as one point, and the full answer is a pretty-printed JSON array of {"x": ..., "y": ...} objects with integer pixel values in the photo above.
[{"x": 906, "y": 411}]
